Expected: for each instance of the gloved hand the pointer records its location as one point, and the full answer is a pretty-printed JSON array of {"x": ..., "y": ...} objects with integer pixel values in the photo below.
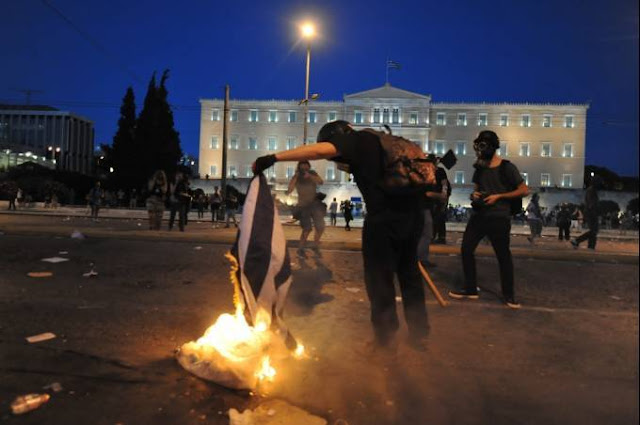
[{"x": 263, "y": 163}]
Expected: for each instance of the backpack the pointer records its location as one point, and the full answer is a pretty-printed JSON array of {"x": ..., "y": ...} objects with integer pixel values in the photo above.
[
  {"x": 406, "y": 167},
  {"x": 515, "y": 204}
]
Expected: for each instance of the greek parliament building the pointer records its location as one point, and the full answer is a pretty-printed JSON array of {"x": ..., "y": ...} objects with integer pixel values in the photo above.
[
  {"x": 545, "y": 141},
  {"x": 45, "y": 135}
]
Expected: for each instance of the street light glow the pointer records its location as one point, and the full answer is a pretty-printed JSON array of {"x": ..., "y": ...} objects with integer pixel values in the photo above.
[{"x": 308, "y": 30}]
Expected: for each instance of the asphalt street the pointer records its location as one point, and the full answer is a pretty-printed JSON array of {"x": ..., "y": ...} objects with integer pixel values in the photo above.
[{"x": 569, "y": 356}]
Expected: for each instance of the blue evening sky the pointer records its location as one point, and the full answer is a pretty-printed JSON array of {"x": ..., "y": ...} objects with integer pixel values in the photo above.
[{"x": 568, "y": 51}]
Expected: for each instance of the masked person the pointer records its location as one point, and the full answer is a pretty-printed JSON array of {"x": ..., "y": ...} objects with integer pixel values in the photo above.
[
  {"x": 392, "y": 227},
  {"x": 497, "y": 183}
]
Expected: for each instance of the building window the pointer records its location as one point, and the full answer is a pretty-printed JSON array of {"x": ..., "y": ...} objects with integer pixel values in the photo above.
[
  {"x": 525, "y": 177},
  {"x": 214, "y": 143},
  {"x": 426, "y": 146},
  {"x": 504, "y": 151},
  {"x": 290, "y": 171},
  {"x": 385, "y": 116},
  {"x": 357, "y": 117},
  {"x": 248, "y": 172},
  {"x": 395, "y": 116},
  {"x": 525, "y": 120},
  {"x": 291, "y": 143},
  {"x": 566, "y": 180},
  {"x": 569, "y": 121},
  {"x": 524, "y": 149},
  {"x": 273, "y": 116},
  {"x": 504, "y": 120},
  {"x": 232, "y": 171},
  {"x": 462, "y": 119},
  {"x": 253, "y": 116},
  {"x": 545, "y": 150},
  {"x": 545, "y": 179},
  {"x": 253, "y": 143},
  {"x": 213, "y": 170},
  {"x": 461, "y": 148},
  {"x": 483, "y": 119},
  {"x": 272, "y": 144},
  {"x": 441, "y": 118},
  {"x": 439, "y": 148},
  {"x": 271, "y": 172},
  {"x": 312, "y": 117},
  {"x": 331, "y": 116},
  {"x": 567, "y": 150},
  {"x": 546, "y": 120},
  {"x": 459, "y": 177},
  {"x": 330, "y": 173},
  {"x": 292, "y": 116},
  {"x": 413, "y": 118},
  {"x": 215, "y": 115},
  {"x": 376, "y": 115},
  {"x": 234, "y": 116},
  {"x": 233, "y": 143}
]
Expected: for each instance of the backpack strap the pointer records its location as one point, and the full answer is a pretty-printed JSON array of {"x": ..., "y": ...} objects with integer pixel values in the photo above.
[{"x": 504, "y": 178}]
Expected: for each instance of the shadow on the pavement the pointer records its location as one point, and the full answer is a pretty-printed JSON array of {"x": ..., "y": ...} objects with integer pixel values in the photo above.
[{"x": 306, "y": 289}]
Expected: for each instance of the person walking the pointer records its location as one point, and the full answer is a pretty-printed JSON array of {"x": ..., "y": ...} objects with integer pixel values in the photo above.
[
  {"x": 496, "y": 183},
  {"x": 347, "y": 209},
  {"x": 591, "y": 200},
  {"x": 95, "y": 198},
  {"x": 563, "y": 221},
  {"x": 230, "y": 208},
  {"x": 392, "y": 227},
  {"x": 158, "y": 188},
  {"x": 534, "y": 218},
  {"x": 179, "y": 198},
  {"x": 333, "y": 212},
  {"x": 215, "y": 203},
  {"x": 306, "y": 181}
]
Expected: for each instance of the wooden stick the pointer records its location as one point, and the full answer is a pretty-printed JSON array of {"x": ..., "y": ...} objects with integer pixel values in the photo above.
[{"x": 432, "y": 286}]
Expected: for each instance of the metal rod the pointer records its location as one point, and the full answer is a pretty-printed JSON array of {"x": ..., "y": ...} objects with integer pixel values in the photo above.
[{"x": 306, "y": 96}]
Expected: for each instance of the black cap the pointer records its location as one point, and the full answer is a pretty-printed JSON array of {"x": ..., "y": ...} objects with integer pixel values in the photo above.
[{"x": 333, "y": 128}]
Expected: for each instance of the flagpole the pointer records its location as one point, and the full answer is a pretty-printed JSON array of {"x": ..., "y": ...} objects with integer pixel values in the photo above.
[{"x": 386, "y": 81}]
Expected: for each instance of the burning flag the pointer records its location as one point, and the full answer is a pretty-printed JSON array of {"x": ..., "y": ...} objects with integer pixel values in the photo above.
[{"x": 235, "y": 350}]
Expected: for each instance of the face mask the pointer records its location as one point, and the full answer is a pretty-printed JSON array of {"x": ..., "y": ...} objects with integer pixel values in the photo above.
[{"x": 484, "y": 152}]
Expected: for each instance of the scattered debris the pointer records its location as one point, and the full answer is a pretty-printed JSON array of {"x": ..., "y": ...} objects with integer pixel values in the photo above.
[
  {"x": 63, "y": 252},
  {"x": 77, "y": 235},
  {"x": 389, "y": 403},
  {"x": 353, "y": 290},
  {"x": 398, "y": 299},
  {"x": 40, "y": 337},
  {"x": 615, "y": 297},
  {"x": 54, "y": 260},
  {"x": 66, "y": 219},
  {"x": 55, "y": 387},
  {"x": 274, "y": 412},
  {"x": 139, "y": 224},
  {"x": 28, "y": 402},
  {"x": 39, "y": 274},
  {"x": 90, "y": 273},
  {"x": 197, "y": 248}
]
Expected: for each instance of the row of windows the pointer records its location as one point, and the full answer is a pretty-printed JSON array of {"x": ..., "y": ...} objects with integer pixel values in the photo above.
[
  {"x": 252, "y": 143},
  {"x": 524, "y": 149},
  {"x": 393, "y": 116},
  {"x": 245, "y": 171},
  {"x": 545, "y": 179}
]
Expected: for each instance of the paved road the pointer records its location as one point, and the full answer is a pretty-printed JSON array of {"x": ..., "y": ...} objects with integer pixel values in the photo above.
[{"x": 570, "y": 356}]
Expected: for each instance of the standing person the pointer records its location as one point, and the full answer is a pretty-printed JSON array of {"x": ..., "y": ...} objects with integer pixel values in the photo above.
[
  {"x": 231, "y": 207},
  {"x": 563, "y": 220},
  {"x": 95, "y": 197},
  {"x": 200, "y": 201},
  {"x": 158, "y": 188},
  {"x": 347, "y": 209},
  {"x": 216, "y": 202},
  {"x": 440, "y": 207},
  {"x": 120, "y": 198},
  {"x": 534, "y": 217},
  {"x": 305, "y": 181},
  {"x": 179, "y": 199},
  {"x": 432, "y": 197},
  {"x": 333, "y": 212},
  {"x": 391, "y": 230},
  {"x": 591, "y": 215},
  {"x": 133, "y": 199},
  {"x": 13, "y": 195},
  {"x": 19, "y": 198},
  {"x": 497, "y": 182}
]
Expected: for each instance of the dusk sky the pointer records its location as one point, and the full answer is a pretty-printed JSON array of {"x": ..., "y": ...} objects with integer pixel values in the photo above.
[{"x": 83, "y": 55}]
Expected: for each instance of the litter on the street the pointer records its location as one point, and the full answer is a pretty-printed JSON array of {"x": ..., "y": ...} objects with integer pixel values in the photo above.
[
  {"x": 40, "y": 337},
  {"x": 54, "y": 260},
  {"x": 63, "y": 252},
  {"x": 90, "y": 273},
  {"x": 54, "y": 386},
  {"x": 28, "y": 402},
  {"x": 77, "y": 235},
  {"x": 197, "y": 248},
  {"x": 274, "y": 412},
  {"x": 39, "y": 274},
  {"x": 353, "y": 290}
]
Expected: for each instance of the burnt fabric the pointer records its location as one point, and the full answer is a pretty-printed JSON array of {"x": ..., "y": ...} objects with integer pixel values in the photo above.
[{"x": 264, "y": 269}]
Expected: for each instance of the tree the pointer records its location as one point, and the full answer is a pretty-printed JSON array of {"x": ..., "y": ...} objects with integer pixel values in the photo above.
[
  {"x": 125, "y": 152},
  {"x": 169, "y": 147},
  {"x": 632, "y": 206}
]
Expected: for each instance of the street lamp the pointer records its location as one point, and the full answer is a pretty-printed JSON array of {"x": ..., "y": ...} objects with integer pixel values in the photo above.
[{"x": 307, "y": 30}]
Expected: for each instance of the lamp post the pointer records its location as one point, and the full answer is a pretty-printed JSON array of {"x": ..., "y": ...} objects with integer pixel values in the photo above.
[{"x": 308, "y": 31}]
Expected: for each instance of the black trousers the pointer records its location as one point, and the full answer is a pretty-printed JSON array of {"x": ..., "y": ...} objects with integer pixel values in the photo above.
[
  {"x": 389, "y": 247},
  {"x": 440, "y": 223},
  {"x": 498, "y": 230},
  {"x": 181, "y": 209},
  {"x": 564, "y": 229},
  {"x": 592, "y": 234}
]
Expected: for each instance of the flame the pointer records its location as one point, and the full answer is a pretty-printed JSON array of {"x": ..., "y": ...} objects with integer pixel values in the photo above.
[{"x": 266, "y": 372}]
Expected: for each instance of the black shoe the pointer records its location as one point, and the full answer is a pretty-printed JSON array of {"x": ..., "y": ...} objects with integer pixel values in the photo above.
[
  {"x": 574, "y": 244},
  {"x": 471, "y": 294},
  {"x": 512, "y": 303}
]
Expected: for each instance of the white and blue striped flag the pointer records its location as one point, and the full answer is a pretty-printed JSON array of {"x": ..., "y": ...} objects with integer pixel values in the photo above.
[
  {"x": 264, "y": 268},
  {"x": 393, "y": 64}
]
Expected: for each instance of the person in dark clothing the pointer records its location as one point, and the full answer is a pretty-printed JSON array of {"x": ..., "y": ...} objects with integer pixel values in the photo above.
[
  {"x": 392, "y": 227},
  {"x": 347, "y": 213},
  {"x": 432, "y": 198},
  {"x": 563, "y": 221},
  {"x": 179, "y": 200},
  {"x": 491, "y": 216},
  {"x": 591, "y": 215},
  {"x": 439, "y": 211},
  {"x": 216, "y": 202}
]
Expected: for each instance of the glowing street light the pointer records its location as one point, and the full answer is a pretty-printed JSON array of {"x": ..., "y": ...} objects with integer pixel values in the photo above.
[{"x": 308, "y": 31}]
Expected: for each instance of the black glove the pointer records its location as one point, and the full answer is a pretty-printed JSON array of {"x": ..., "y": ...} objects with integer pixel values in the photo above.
[{"x": 263, "y": 163}]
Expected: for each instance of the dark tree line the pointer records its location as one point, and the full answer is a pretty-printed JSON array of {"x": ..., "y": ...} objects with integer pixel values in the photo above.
[{"x": 145, "y": 143}]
